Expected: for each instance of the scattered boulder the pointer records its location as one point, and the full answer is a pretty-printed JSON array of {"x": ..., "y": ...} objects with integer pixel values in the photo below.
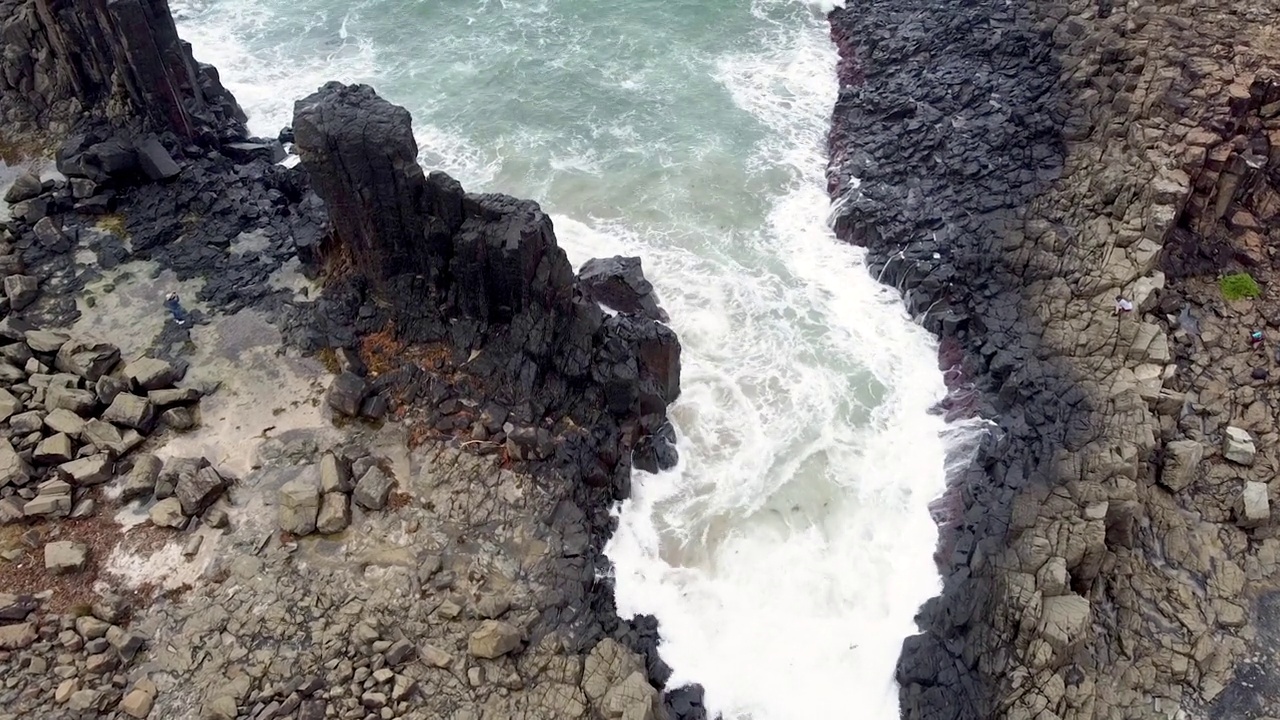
[
  {"x": 168, "y": 513},
  {"x": 16, "y": 637},
  {"x": 87, "y": 360},
  {"x": 347, "y": 393},
  {"x": 494, "y": 638},
  {"x": 21, "y": 290},
  {"x": 1237, "y": 446},
  {"x": 24, "y": 187},
  {"x": 335, "y": 513},
  {"x": 373, "y": 489},
  {"x": 8, "y": 405},
  {"x": 54, "y": 450},
  {"x": 1254, "y": 507},
  {"x": 155, "y": 161},
  {"x": 151, "y": 374},
  {"x": 61, "y": 420},
  {"x": 80, "y": 402},
  {"x": 46, "y": 341},
  {"x": 299, "y": 506},
  {"x": 179, "y": 419},
  {"x": 13, "y": 469},
  {"x": 1181, "y": 459},
  {"x": 197, "y": 491},
  {"x": 131, "y": 411},
  {"x": 140, "y": 481},
  {"x": 173, "y": 396},
  {"x": 92, "y": 470},
  {"x": 65, "y": 556},
  {"x": 137, "y": 704},
  {"x": 335, "y": 474}
]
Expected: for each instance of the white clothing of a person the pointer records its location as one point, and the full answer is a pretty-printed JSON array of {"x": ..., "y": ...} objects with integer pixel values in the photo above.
[{"x": 1123, "y": 306}]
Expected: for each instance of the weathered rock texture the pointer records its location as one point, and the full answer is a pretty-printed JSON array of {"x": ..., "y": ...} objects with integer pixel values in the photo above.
[
  {"x": 121, "y": 60},
  {"x": 1021, "y": 165}
]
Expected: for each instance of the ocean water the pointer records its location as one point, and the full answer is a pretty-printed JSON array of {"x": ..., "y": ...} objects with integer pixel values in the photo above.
[{"x": 787, "y": 554}]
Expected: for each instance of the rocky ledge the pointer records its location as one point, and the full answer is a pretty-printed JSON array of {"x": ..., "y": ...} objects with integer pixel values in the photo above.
[
  {"x": 1110, "y": 552},
  {"x": 421, "y": 539}
]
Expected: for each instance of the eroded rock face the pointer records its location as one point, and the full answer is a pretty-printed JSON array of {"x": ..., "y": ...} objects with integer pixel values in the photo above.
[{"x": 121, "y": 61}]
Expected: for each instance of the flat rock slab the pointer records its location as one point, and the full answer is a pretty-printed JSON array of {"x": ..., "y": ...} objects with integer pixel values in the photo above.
[{"x": 65, "y": 556}]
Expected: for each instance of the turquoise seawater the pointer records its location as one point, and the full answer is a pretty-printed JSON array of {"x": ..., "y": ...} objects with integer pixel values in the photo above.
[{"x": 787, "y": 554}]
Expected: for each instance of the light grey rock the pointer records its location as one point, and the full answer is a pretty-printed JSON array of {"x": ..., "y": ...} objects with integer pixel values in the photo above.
[
  {"x": 80, "y": 402},
  {"x": 197, "y": 491},
  {"x": 9, "y": 405},
  {"x": 46, "y": 341},
  {"x": 434, "y": 656},
  {"x": 65, "y": 556},
  {"x": 299, "y": 505},
  {"x": 83, "y": 188},
  {"x": 104, "y": 436},
  {"x": 13, "y": 469},
  {"x": 12, "y": 510},
  {"x": 179, "y": 419},
  {"x": 21, "y": 290},
  {"x": 24, "y": 187},
  {"x": 493, "y": 639},
  {"x": 108, "y": 387},
  {"x": 87, "y": 360},
  {"x": 373, "y": 489},
  {"x": 1254, "y": 508},
  {"x": 54, "y": 450},
  {"x": 335, "y": 474},
  {"x": 151, "y": 373},
  {"x": 92, "y": 470},
  {"x": 140, "y": 481},
  {"x": 1238, "y": 447},
  {"x": 27, "y": 422},
  {"x": 173, "y": 396},
  {"x": 168, "y": 513},
  {"x": 132, "y": 411},
  {"x": 65, "y": 421},
  {"x": 335, "y": 513},
  {"x": 17, "y": 637}
]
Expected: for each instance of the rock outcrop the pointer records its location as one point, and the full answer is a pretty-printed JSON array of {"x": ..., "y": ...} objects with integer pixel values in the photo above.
[
  {"x": 121, "y": 61},
  {"x": 1020, "y": 166}
]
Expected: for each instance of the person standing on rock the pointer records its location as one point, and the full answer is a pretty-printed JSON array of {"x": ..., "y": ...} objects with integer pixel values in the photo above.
[
  {"x": 174, "y": 305},
  {"x": 1123, "y": 306}
]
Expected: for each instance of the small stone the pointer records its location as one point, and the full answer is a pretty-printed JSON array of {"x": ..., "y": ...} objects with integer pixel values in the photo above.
[
  {"x": 168, "y": 513},
  {"x": 92, "y": 628},
  {"x": 193, "y": 546},
  {"x": 373, "y": 700},
  {"x": 1237, "y": 446},
  {"x": 131, "y": 411},
  {"x": 373, "y": 489},
  {"x": 21, "y": 290},
  {"x": 65, "y": 689},
  {"x": 137, "y": 704},
  {"x": 434, "y": 656},
  {"x": 493, "y": 638},
  {"x": 15, "y": 608},
  {"x": 299, "y": 505},
  {"x": 335, "y": 513},
  {"x": 65, "y": 556},
  {"x": 400, "y": 652}
]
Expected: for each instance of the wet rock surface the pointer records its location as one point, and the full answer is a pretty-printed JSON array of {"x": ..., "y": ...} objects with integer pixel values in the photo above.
[{"x": 1109, "y": 553}]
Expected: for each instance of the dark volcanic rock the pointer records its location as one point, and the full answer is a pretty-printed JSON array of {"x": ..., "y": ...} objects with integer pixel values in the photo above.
[{"x": 619, "y": 283}]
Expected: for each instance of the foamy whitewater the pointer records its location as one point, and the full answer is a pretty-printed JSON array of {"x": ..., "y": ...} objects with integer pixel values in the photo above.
[{"x": 787, "y": 554}]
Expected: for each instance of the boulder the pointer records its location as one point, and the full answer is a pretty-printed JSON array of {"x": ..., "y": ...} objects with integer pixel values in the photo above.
[
  {"x": 16, "y": 608},
  {"x": 92, "y": 470},
  {"x": 136, "y": 704},
  {"x": 151, "y": 373},
  {"x": 131, "y": 411},
  {"x": 50, "y": 235},
  {"x": 179, "y": 419},
  {"x": 1254, "y": 507},
  {"x": 632, "y": 699},
  {"x": 1063, "y": 622},
  {"x": 54, "y": 450},
  {"x": 21, "y": 290},
  {"x": 27, "y": 422},
  {"x": 173, "y": 396},
  {"x": 494, "y": 638},
  {"x": 17, "y": 637},
  {"x": 62, "y": 420},
  {"x": 108, "y": 387},
  {"x": 105, "y": 437},
  {"x": 65, "y": 556},
  {"x": 52, "y": 500},
  {"x": 155, "y": 161},
  {"x": 140, "y": 481},
  {"x": 619, "y": 283},
  {"x": 335, "y": 513},
  {"x": 299, "y": 506},
  {"x": 87, "y": 360},
  {"x": 13, "y": 469},
  {"x": 1181, "y": 460},
  {"x": 24, "y": 187},
  {"x": 1237, "y": 446},
  {"x": 46, "y": 342},
  {"x": 12, "y": 510},
  {"x": 197, "y": 491},
  {"x": 168, "y": 513},
  {"x": 373, "y": 489},
  {"x": 80, "y": 402},
  {"x": 8, "y": 405},
  {"x": 346, "y": 393},
  {"x": 335, "y": 474}
]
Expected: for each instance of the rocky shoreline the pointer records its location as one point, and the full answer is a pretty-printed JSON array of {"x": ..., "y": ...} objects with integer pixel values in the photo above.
[
  {"x": 1110, "y": 551},
  {"x": 475, "y": 586}
]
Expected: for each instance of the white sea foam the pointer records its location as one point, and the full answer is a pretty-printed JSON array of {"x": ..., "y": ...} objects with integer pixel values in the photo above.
[{"x": 788, "y": 552}]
